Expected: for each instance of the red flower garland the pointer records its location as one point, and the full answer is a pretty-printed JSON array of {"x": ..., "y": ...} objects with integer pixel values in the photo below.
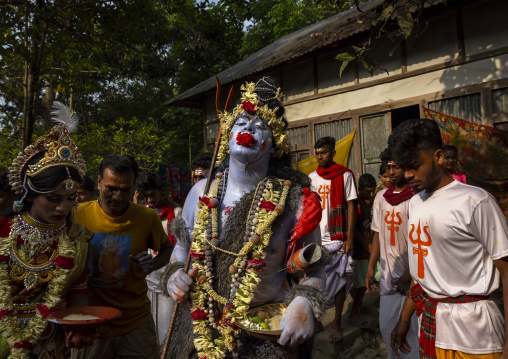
[
  {"x": 269, "y": 206},
  {"x": 199, "y": 314},
  {"x": 210, "y": 202},
  {"x": 64, "y": 262},
  {"x": 248, "y": 107},
  {"x": 24, "y": 345},
  {"x": 196, "y": 255},
  {"x": 226, "y": 322},
  {"x": 44, "y": 310},
  {"x": 4, "y": 312},
  {"x": 256, "y": 264},
  {"x": 245, "y": 139}
]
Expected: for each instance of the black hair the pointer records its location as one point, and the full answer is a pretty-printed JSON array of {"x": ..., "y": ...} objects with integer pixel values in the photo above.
[
  {"x": 118, "y": 163},
  {"x": 411, "y": 137},
  {"x": 366, "y": 181},
  {"x": 266, "y": 89},
  {"x": 48, "y": 179},
  {"x": 447, "y": 148},
  {"x": 203, "y": 160},
  {"x": 382, "y": 168},
  {"x": 149, "y": 180},
  {"x": 88, "y": 184},
  {"x": 385, "y": 156},
  {"x": 4, "y": 182},
  {"x": 326, "y": 141}
]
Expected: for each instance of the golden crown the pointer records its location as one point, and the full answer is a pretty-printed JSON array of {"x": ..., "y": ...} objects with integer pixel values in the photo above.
[
  {"x": 249, "y": 96},
  {"x": 59, "y": 150}
]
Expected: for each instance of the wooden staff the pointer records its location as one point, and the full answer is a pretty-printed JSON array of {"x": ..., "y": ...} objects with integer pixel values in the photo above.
[{"x": 207, "y": 188}]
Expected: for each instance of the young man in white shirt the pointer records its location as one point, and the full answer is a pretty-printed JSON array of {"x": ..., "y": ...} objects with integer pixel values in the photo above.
[
  {"x": 458, "y": 250},
  {"x": 335, "y": 185},
  {"x": 389, "y": 246}
]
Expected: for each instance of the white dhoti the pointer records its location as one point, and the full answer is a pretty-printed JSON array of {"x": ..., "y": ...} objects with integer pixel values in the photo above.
[
  {"x": 162, "y": 306},
  {"x": 390, "y": 307},
  {"x": 340, "y": 273}
]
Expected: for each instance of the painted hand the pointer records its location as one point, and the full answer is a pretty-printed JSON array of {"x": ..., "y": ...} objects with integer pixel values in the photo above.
[
  {"x": 297, "y": 324},
  {"x": 143, "y": 261},
  {"x": 179, "y": 284}
]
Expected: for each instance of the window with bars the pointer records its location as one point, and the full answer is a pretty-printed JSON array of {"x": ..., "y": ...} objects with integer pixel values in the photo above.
[
  {"x": 500, "y": 100},
  {"x": 298, "y": 136},
  {"x": 467, "y": 107}
]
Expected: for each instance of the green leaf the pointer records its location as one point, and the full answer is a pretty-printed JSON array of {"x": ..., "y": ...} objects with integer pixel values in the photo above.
[
  {"x": 343, "y": 67},
  {"x": 405, "y": 21},
  {"x": 387, "y": 12},
  {"x": 345, "y": 56}
]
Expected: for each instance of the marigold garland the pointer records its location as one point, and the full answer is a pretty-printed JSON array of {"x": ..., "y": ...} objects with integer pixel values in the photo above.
[
  {"x": 20, "y": 337},
  {"x": 243, "y": 271}
]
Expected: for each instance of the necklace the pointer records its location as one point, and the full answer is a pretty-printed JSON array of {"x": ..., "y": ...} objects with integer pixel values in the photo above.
[
  {"x": 36, "y": 235},
  {"x": 267, "y": 203},
  {"x": 23, "y": 324}
]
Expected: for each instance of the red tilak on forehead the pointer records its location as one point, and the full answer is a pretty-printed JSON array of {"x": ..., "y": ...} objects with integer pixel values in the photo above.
[{"x": 245, "y": 139}]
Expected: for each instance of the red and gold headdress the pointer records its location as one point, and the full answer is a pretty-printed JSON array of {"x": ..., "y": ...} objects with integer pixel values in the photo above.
[
  {"x": 252, "y": 103},
  {"x": 59, "y": 150}
]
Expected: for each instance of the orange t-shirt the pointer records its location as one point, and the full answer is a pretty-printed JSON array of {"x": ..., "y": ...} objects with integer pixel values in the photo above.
[{"x": 113, "y": 281}]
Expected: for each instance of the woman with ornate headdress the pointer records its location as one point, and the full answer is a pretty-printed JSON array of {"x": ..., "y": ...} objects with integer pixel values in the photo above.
[
  {"x": 43, "y": 260},
  {"x": 249, "y": 231}
]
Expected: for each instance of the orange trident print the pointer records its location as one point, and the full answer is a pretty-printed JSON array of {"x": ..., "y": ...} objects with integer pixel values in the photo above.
[
  {"x": 393, "y": 225},
  {"x": 421, "y": 252},
  {"x": 324, "y": 191}
]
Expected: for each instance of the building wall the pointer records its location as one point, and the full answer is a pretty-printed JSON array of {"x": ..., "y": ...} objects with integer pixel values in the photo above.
[{"x": 457, "y": 63}]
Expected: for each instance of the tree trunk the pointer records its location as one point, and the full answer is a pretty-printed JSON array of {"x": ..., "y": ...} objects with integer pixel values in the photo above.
[{"x": 34, "y": 44}]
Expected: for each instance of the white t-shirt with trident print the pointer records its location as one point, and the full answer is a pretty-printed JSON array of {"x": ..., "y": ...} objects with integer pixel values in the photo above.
[
  {"x": 454, "y": 234},
  {"x": 323, "y": 187}
]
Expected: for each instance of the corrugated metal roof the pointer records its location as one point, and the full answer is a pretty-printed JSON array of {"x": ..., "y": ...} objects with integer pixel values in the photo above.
[{"x": 301, "y": 42}]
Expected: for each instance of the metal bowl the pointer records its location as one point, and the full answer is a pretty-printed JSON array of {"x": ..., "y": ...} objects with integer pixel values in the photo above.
[{"x": 275, "y": 312}]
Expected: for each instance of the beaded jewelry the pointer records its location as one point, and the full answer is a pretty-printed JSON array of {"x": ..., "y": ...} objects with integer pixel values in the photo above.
[
  {"x": 267, "y": 204},
  {"x": 22, "y": 324},
  {"x": 35, "y": 235}
]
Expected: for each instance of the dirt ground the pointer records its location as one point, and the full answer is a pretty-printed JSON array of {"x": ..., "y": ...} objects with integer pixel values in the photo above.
[{"x": 357, "y": 343}]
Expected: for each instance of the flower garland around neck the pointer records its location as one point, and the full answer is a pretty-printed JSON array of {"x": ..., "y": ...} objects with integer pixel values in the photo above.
[
  {"x": 266, "y": 205},
  {"x": 22, "y": 334}
]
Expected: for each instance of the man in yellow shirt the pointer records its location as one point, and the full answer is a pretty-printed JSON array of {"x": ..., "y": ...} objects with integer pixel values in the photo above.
[{"x": 119, "y": 262}]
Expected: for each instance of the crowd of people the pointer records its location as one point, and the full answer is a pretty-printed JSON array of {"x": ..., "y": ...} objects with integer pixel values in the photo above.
[{"x": 200, "y": 281}]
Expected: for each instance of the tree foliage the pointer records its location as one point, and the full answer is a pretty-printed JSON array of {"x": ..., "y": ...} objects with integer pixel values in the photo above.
[
  {"x": 392, "y": 21},
  {"x": 117, "y": 62}
]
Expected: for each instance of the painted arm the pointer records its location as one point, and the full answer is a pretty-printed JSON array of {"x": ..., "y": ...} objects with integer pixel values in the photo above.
[
  {"x": 297, "y": 323},
  {"x": 351, "y": 222},
  {"x": 502, "y": 266},
  {"x": 374, "y": 258},
  {"x": 179, "y": 283}
]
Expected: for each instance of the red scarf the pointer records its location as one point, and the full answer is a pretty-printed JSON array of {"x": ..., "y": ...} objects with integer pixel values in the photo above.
[
  {"x": 338, "y": 211},
  {"x": 168, "y": 212},
  {"x": 396, "y": 198}
]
